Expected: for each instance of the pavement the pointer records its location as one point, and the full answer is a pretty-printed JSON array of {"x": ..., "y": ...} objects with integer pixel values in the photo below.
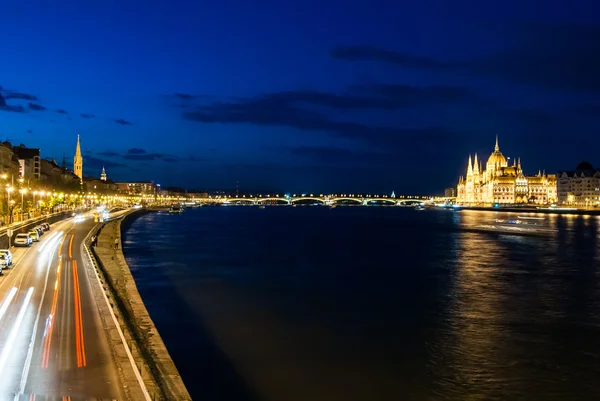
[{"x": 55, "y": 341}]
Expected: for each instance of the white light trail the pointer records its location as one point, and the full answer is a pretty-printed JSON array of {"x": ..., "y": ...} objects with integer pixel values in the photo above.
[
  {"x": 45, "y": 244},
  {"x": 7, "y": 301},
  {"x": 49, "y": 248},
  {"x": 15, "y": 331},
  {"x": 27, "y": 365}
]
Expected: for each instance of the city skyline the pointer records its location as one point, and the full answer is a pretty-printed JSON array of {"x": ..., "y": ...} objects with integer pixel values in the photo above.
[{"x": 383, "y": 98}]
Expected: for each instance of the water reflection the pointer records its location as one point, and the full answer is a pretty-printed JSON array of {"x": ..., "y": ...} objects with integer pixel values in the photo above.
[{"x": 374, "y": 304}]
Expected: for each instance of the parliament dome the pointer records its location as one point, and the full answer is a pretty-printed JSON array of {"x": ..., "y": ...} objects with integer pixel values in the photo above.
[{"x": 497, "y": 158}]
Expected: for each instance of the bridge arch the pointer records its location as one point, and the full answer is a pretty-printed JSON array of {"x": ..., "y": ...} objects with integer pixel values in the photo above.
[
  {"x": 356, "y": 201},
  {"x": 387, "y": 201},
  {"x": 306, "y": 198},
  {"x": 409, "y": 202},
  {"x": 273, "y": 199}
]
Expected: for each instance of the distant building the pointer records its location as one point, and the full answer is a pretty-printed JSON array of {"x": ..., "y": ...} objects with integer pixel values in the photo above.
[
  {"x": 138, "y": 187},
  {"x": 93, "y": 184},
  {"x": 450, "y": 193},
  {"x": 103, "y": 174},
  {"x": 9, "y": 162},
  {"x": 29, "y": 162},
  {"x": 504, "y": 184},
  {"x": 57, "y": 176},
  {"x": 579, "y": 187},
  {"x": 78, "y": 161}
]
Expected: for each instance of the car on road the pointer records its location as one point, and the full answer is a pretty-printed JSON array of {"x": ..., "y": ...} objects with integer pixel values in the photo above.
[
  {"x": 8, "y": 255},
  {"x": 23, "y": 240},
  {"x": 35, "y": 235},
  {"x": 40, "y": 230},
  {"x": 3, "y": 261},
  {"x": 46, "y": 226}
]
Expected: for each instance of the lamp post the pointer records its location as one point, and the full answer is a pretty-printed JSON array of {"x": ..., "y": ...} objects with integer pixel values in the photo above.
[
  {"x": 34, "y": 204},
  {"x": 9, "y": 189},
  {"x": 22, "y": 191}
]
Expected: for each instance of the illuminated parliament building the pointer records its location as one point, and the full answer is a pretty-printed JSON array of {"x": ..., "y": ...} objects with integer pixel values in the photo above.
[{"x": 500, "y": 183}]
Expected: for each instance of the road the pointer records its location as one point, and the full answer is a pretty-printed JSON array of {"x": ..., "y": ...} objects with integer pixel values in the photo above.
[{"x": 54, "y": 342}]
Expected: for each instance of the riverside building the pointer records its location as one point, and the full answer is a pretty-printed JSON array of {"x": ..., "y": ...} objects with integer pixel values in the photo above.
[{"x": 500, "y": 183}]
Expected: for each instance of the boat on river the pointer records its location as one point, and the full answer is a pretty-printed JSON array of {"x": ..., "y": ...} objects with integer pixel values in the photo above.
[{"x": 176, "y": 209}]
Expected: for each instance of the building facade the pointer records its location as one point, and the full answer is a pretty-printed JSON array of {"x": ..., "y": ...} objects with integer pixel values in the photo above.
[
  {"x": 500, "y": 183},
  {"x": 579, "y": 187},
  {"x": 450, "y": 193},
  {"x": 29, "y": 162},
  {"x": 138, "y": 188}
]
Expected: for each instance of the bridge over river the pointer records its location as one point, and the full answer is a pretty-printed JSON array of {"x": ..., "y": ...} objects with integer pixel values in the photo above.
[{"x": 329, "y": 200}]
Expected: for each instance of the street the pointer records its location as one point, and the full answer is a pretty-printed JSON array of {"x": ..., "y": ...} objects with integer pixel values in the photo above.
[{"x": 53, "y": 338}]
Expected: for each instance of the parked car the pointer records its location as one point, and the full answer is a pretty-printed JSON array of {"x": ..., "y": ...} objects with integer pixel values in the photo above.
[
  {"x": 40, "y": 230},
  {"x": 23, "y": 240},
  {"x": 8, "y": 255},
  {"x": 3, "y": 261},
  {"x": 35, "y": 235},
  {"x": 46, "y": 226}
]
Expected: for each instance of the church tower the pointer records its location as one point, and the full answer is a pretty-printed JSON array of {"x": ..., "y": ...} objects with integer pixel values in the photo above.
[
  {"x": 103, "y": 174},
  {"x": 78, "y": 161}
]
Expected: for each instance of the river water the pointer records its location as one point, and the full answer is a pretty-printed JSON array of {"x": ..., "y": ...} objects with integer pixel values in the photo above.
[{"x": 370, "y": 304}]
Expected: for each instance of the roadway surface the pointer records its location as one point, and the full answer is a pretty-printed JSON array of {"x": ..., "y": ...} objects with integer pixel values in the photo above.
[{"x": 54, "y": 343}]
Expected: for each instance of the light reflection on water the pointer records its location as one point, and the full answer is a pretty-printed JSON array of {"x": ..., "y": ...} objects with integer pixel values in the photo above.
[{"x": 372, "y": 304}]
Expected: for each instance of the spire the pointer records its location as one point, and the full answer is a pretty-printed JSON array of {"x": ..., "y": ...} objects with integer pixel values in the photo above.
[
  {"x": 475, "y": 165},
  {"x": 78, "y": 148},
  {"x": 519, "y": 164},
  {"x": 78, "y": 161},
  {"x": 470, "y": 167},
  {"x": 103, "y": 174},
  {"x": 497, "y": 148}
]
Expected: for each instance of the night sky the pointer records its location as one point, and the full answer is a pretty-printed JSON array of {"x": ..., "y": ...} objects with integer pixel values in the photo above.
[{"x": 302, "y": 96}]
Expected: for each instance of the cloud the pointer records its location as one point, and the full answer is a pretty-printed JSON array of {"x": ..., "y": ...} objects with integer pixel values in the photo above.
[
  {"x": 36, "y": 107},
  {"x": 184, "y": 96},
  {"x": 87, "y": 115},
  {"x": 19, "y": 95},
  {"x": 410, "y": 95},
  {"x": 345, "y": 101},
  {"x": 123, "y": 122},
  {"x": 6, "y": 107},
  {"x": 89, "y": 152},
  {"x": 171, "y": 159},
  {"x": 108, "y": 154},
  {"x": 95, "y": 163},
  {"x": 275, "y": 111},
  {"x": 333, "y": 155},
  {"x": 29, "y": 131},
  {"x": 371, "y": 53},
  {"x": 61, "y": 111},
  {"x": 135, "y": 151},
  {"x": 556, "y": 56},
  {"x": 146, "y": 157}
]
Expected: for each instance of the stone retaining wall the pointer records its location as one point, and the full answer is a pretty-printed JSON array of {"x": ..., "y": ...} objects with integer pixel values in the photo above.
[{"x": 166, "y": 380}]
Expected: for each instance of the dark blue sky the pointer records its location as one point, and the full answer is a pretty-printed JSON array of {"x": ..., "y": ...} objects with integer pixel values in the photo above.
[{"x": 302, "y": 96}]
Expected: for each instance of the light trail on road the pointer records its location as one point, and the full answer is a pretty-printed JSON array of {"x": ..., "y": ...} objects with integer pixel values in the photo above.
[
  {"x": 14, "y": 331},
  {"x": 7, "y": 301}
]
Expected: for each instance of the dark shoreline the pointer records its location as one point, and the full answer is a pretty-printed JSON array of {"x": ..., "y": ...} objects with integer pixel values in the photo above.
[{"x": 205, "y": 369}]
